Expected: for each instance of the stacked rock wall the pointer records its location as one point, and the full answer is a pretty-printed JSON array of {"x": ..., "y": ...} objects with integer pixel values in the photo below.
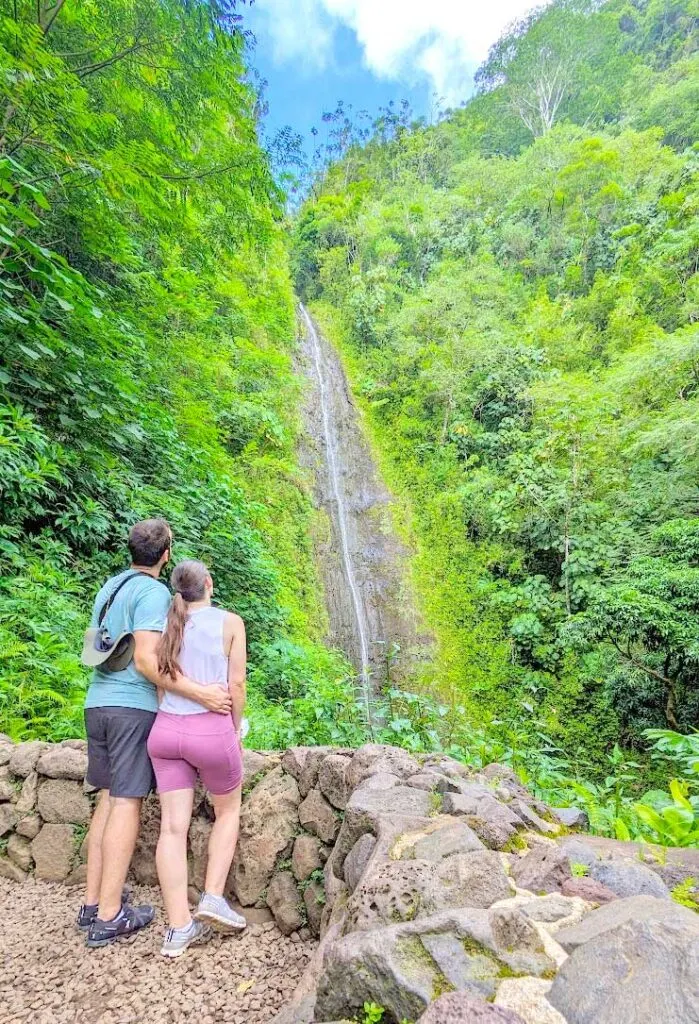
[{"x": 439, "y": 893}]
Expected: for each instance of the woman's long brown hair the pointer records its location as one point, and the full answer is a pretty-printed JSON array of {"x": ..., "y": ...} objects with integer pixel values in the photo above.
[{"x": 189, "y": 583}]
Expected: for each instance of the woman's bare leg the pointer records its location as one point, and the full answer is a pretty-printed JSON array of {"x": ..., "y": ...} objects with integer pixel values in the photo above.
[
  {"x": 224, "y": 836},
  {"x": 171, "y": 854}
]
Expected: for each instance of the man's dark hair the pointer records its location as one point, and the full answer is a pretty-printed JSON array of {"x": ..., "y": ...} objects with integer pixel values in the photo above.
[{"x": 149, "y": 540}]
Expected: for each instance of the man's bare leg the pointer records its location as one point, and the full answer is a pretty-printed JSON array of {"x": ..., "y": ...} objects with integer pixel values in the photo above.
[
  {"x": 94, "y": 848},
  {"x": 118, "y": 844}
]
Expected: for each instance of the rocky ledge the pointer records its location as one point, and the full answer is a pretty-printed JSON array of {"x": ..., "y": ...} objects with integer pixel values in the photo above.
[{"x": 439, "y": 893}]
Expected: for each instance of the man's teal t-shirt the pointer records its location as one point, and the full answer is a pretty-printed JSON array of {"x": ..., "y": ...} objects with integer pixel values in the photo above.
[{"x": 142, "y": 603}]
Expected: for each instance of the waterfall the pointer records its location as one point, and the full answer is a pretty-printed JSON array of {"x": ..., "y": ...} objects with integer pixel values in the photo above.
[{"x": 362, "y": 562}]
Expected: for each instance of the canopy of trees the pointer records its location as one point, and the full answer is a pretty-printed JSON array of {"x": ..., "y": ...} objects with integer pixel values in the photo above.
[{"x": 515, "y": 290}]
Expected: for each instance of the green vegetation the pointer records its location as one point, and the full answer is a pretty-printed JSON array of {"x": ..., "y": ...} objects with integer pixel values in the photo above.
[
  {"x": 147, "y": 319},
  {"x": 684, "y": 894},
  {"x": 515, "y": 294}
]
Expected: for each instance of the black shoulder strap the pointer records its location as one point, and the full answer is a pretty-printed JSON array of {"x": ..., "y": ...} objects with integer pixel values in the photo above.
[{"x": 110, "y": 599}]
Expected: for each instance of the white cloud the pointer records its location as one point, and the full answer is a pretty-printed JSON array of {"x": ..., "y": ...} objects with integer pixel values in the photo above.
[{"x": 401, "y": 39}]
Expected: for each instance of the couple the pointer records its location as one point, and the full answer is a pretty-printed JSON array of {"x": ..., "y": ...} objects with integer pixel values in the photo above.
[{"x": 175, "y": 710}]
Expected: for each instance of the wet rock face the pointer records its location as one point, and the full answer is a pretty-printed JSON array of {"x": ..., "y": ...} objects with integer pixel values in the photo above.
[{"x": 357, "y": 507}]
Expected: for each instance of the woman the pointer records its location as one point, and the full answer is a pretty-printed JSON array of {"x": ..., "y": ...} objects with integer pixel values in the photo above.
[{"x": 208, "y": 645}]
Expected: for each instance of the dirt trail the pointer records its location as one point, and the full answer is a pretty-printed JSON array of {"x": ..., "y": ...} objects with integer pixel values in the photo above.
[
  {"x": 47, "y": 976},
  {"x": 363, "y": 564}
]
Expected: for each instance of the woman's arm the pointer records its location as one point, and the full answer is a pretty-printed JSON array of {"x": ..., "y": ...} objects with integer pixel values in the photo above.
[
  {"x": 213, "y": 698},
  {"x": 234, "y": 631}
]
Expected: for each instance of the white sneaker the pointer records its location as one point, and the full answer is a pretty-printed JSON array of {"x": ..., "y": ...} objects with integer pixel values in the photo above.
[
  {"x": 214, "y": 910},
  {"x": 177, "y": 940}
]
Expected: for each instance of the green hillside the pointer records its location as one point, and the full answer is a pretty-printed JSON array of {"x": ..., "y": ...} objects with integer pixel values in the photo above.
[{"x": 515, "y": 292}]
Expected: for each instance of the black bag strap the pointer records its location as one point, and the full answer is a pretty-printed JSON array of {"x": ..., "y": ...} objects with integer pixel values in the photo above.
[{"x": 110, "y": 600}]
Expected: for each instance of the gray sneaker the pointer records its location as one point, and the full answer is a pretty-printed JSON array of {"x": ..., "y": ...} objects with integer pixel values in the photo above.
[
  {"x": 214, "y": 910},
  {"x": 177, "y": 940}
]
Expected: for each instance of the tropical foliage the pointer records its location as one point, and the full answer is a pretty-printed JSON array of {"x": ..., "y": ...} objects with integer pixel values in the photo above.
[
  {"x": 147, "y": 317},
  {"x": 515, "y": 292}
]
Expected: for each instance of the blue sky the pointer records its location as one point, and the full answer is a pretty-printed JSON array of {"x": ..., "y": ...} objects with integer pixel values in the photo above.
[{"x": 368, "y": 52}]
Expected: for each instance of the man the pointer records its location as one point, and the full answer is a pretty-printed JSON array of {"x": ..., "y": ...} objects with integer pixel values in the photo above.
[{"x": 120, "y": 709}]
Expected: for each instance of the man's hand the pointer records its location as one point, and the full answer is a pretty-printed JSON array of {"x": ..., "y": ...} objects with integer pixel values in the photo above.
[{"x": 215, "y": 698}]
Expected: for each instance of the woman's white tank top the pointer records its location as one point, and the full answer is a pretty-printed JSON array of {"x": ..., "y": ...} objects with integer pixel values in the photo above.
[{"x": 202, "y": 658}]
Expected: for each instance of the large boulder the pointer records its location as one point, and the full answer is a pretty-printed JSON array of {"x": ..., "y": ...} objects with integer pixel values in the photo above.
[
  {"x": 7, "y": 789},
  {"x": 303, "y": 763},
  {"x": 442, "y": 838},
  {"x": 256, "y": 765},
  {"x": 375, "y": 757},
  {"x": 571, "y": 817},
  {"x": 357, "y": 860},
  {"x": 305, "y": 858},
  {"x": 588, "y": 889},
  {"x": 644, "y": 971},
  {"x": 332, "y": 779},
  {"x": 63, "y": 762},
  {"x": 317, "y": 816},
  {"x": 394, "y": 891},
  {"x": 54, "y": 851},
  {"x": 29, "y": 826},
  {"x": 314, "y": 901},
  {"x": 544, "y": 869},
  {"x": 613, "y": 915},
  {"x": 629, "y": 878},
  {"x": 531, "y": 819},
  {"x": 284, "y": 900},
  {"x": 402, "y": 890},
  {"x": 24, "y": 757},
  {"x": 459, "y": 1008},
  {"x": 475, "y": 879},
  {"x": 19, "y": 851},
  {"x": 26, "y": 801},
  {"x": 493, "y": 821},
  {"x": 398, "y": 800},
  {"x": 61, "y": 801},
  {"x": 405, "y": 967},
  {"x": 8, "y": 818},
  {"x": 10, "y": 870},
  {"x": 268, "y": 823}
]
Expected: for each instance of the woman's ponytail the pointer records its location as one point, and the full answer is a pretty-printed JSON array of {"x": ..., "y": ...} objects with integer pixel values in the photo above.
[
  {"x": 189, "y": 583},
  {"x": 170, "y": 643}
]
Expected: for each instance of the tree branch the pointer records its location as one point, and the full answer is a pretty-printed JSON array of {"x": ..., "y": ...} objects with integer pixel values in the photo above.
[{"x": 665, "y": 680}]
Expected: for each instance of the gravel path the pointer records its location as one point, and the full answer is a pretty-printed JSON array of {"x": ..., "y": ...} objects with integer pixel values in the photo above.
[{"x": 47, "y": 976}]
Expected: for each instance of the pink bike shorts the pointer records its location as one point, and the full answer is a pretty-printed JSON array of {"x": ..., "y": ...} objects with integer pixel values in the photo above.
[{"x": 180, "y": 746}]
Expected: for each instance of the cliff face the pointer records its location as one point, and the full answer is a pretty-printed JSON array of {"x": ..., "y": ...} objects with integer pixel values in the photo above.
[
  {"x": 420, "y": 876},
  {"x": 371, "y": 611}
]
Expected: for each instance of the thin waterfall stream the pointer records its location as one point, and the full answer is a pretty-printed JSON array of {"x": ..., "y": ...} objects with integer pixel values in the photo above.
[
  {"x": 363, "y": 564},
  {"x": 331, "y": 459}
]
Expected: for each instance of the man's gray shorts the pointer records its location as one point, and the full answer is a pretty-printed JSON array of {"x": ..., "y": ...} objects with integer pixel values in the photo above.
[{"x": 117, "y": 758}]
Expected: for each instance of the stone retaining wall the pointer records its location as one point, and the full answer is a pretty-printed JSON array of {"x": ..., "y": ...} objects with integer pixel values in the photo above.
[{"x": 434, "y": 889}]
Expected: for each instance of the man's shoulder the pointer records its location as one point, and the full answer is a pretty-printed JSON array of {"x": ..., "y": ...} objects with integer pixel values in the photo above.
[{"x": 142, "y": 586}]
